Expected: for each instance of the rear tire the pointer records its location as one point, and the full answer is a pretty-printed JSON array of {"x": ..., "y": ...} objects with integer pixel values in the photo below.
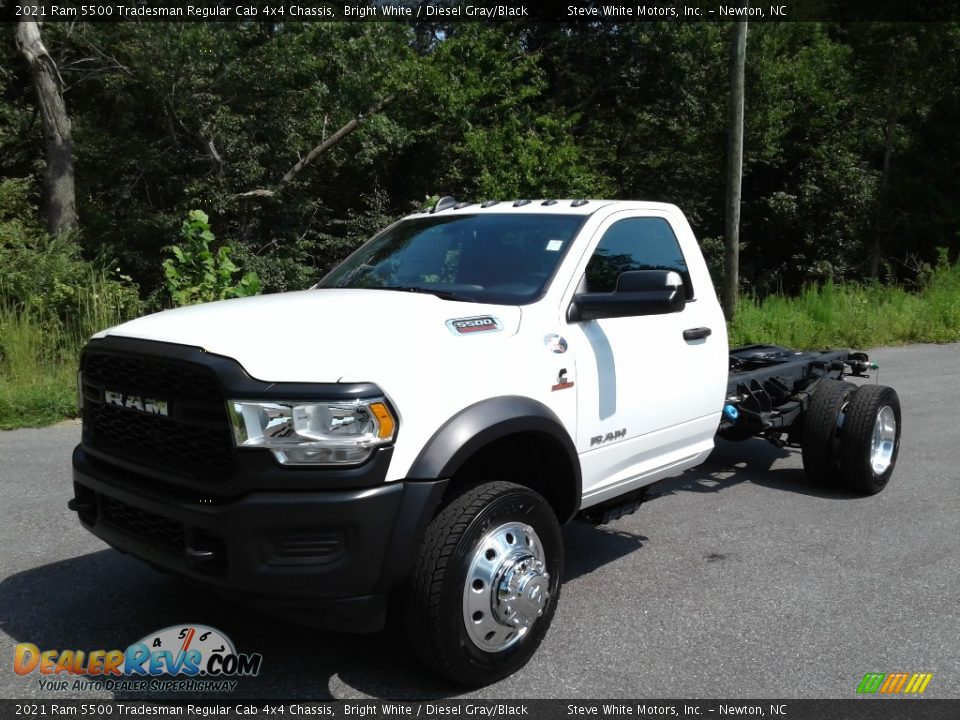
[
  {"x": 821, "y": 430},
  {"x": 870, "y": 441},
  {"x": 486, "y": 584}
]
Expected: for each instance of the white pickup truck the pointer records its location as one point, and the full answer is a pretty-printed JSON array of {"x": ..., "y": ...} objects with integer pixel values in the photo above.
[{"x": 416, "y": 428}]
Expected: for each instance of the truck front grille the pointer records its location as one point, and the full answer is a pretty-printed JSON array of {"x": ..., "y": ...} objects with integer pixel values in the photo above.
[
  {"x": 160, "y": 377},
  {"x": 191, "y": 440}
]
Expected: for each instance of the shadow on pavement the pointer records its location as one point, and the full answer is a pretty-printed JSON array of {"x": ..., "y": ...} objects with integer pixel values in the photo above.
[
  {"x": 105, "y": 600},
  {"x": 732, "y": 463},
  {"x": 589, "y": 548}
]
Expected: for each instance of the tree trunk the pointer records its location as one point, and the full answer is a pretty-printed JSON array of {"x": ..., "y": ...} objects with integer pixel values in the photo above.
[
  {"x": 59, "y": 207},
  {"x": 731, "y": 275},
  {"x": 880, "y": 215},
  {"x": 880, "y": 221}
]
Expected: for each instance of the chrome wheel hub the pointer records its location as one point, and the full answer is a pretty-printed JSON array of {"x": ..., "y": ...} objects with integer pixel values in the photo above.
[
  {"x": 507, "y": 587},
  {"x": 883, "y": 441}
]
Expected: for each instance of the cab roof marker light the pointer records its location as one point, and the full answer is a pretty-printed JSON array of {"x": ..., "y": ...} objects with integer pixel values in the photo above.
[{"x": 447, "y": 201}]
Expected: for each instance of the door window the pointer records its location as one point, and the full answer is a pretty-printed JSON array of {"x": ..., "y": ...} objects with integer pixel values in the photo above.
[{"x": 642, "y": 243}]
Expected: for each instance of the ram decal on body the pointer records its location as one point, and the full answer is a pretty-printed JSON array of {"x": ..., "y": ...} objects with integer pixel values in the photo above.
[{"x": 598, "y": 440}]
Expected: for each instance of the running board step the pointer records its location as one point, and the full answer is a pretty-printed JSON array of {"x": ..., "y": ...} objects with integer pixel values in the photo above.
[{"x": 614, "y": 509}]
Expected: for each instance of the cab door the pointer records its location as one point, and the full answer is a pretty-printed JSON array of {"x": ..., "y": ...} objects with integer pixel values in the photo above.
[{"x": 650, "y": 387}]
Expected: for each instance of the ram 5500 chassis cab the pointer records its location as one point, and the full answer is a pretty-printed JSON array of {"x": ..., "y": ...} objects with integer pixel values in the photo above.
[{"x": 417, "y": 427}]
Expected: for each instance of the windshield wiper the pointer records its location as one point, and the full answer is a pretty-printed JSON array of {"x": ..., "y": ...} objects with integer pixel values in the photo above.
[{"x": 443, "y": 294}]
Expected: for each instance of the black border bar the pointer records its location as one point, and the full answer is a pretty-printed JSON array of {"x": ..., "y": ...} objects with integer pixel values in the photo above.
[{"x": 454, "y": 11}]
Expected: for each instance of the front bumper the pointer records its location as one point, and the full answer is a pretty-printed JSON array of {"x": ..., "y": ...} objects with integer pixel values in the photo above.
[{"x": 328, "y": 557}]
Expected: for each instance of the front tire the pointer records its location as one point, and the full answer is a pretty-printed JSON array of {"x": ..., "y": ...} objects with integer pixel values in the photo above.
[
  {"x": 486, "y": 584},
  {"x": 870, "y": 440}
]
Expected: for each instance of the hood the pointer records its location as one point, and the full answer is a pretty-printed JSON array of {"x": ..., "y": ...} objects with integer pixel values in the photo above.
[{"x": 327, "y": 335}]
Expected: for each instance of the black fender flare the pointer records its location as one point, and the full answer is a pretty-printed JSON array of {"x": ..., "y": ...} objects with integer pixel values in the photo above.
[{"x": 484, "y": 422}]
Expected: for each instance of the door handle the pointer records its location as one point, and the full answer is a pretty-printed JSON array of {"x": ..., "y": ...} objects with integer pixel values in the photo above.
[{"x": 697, "y": 333}]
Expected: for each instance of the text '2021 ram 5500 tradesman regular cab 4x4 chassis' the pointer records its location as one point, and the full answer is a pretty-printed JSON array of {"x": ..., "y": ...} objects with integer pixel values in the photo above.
[{"x": 419, "y": 425}]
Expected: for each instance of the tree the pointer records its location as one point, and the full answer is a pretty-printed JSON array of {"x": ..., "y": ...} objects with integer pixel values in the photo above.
[
  {"x": 731, "y": 276},
  {"x": 60, "y": 208},
  {"x": 903, "y": 71},
  {"x": 850, "y": 134}
]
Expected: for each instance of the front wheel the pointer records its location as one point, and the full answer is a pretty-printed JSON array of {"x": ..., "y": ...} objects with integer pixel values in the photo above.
[{"x": 486, "y": 584}]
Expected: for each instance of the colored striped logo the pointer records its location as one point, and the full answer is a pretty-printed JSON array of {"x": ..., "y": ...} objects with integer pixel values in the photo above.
[{"x": 894, "y": 683}]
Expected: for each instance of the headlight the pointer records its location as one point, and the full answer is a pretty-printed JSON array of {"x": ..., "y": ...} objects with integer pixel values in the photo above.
[{"x": 312, "y": 432}]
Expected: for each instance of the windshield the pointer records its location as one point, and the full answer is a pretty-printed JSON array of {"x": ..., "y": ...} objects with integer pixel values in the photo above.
[{"x": 496, "y": 258}]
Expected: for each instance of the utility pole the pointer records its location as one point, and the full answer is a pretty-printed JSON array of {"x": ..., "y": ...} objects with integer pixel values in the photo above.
[{"x": 731, "y": 275}]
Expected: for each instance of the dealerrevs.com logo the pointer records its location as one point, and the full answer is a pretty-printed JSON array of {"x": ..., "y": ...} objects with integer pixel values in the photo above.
[{"x": 179, "y": 658}]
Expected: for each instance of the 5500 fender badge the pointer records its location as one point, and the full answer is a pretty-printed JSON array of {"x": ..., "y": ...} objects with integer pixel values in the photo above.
[{"x": 467, "y": 326}]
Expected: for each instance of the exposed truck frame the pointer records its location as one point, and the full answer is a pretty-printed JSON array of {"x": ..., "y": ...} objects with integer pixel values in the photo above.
[{"x": 800, "y": 399}]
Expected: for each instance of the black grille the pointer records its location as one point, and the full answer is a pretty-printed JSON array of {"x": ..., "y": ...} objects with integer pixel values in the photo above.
[
  {"x": 193, "y": 440},
  {"x": 161, "y": 441},
  {"x": 152, "y": 377},
  {"x": 142, "y": 523}
]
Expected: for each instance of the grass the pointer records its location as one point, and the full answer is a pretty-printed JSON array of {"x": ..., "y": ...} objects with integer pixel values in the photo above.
[
  {"x": 38, "y": 354},
  {"x": 38, "y": 403},
  {"x": 855, "y": 316},
  {"x": 36, "y": 386}
]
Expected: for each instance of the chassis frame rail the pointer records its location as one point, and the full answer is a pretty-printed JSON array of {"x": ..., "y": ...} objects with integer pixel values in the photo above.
[{"x": 769, "y": 388}]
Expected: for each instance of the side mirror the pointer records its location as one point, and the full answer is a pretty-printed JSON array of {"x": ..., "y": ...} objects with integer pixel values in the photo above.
[{"x": 638, "y": 292}]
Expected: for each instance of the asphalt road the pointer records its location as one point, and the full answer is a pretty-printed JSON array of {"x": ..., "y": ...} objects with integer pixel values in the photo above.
[{"x": 738, "y": 579}]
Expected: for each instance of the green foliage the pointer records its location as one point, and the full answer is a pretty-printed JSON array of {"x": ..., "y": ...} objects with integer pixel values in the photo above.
[
  {"x": 851, "y": 145},
  {"x": 50, "y": 398},
  {"x": 47, "y": 275},
  {"x": 196, "y": 274},
  {"x": 39, "y": 352},
  {"x": 179, "y": 116},
  {"x": 172, "y": 116},
  {"x": 487, "y": 115},
  {"x": 37, "y": 387},
  {"x": 856, "y": 315},
  {"x": 51, "y": 302},
  {"x": 850, "y": 140}
]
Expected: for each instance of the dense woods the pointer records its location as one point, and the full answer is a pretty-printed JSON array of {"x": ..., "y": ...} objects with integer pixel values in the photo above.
[
  {"x": 299, "y": 140},
  {"x": 145, "y": 164}
]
